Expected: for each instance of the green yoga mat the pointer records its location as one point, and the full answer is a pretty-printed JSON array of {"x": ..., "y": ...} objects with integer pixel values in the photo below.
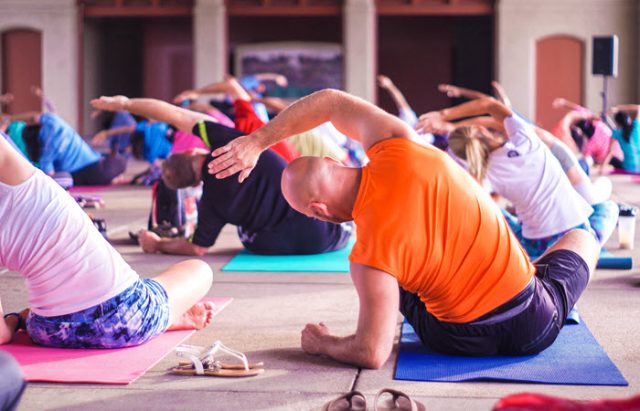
[{"x": 334, "y": 262}]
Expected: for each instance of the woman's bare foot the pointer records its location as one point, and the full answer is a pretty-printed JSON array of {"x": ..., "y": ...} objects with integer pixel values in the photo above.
[{"x": 199, "y": 316}]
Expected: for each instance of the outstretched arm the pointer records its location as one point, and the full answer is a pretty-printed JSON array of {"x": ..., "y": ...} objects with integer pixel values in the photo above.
[
  {"x": 180, "y": 118},
  {"x": 152, "y": 243},
  {"x": 102, "y": 135},
  {"x": 47, "y": 105},
  {"x": 454, "y": 91},
  {"x": 395, "y": 93},
  {"x": 230, "y": 86},
  {"x": 501, "y": 94},
  {"x": 486, "y": 105},
  {"x": 351, "y": 115},
  {"x": 630, "y": 108},
  {"x": 279, "y": 79},
  {"x": 560, "y": 103},
  {"x": 372, "y": 343}
]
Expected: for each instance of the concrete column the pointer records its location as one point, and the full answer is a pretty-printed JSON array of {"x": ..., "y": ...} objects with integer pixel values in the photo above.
[
  {"x": 57, "y": 21},
  {"x": 209, "y": 41},
  {"x": 360, "y": 46}
]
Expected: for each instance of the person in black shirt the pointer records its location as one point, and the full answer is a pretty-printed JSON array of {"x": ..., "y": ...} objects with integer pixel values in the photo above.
[{"x": 265, "y": 221}]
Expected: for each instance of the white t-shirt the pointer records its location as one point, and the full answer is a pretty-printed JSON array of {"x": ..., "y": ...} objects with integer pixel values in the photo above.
[
  {"x": 526, "y": 173},
  {"x": 45, "y": 236}
]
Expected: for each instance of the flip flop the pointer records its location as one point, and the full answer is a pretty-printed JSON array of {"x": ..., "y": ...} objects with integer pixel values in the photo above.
[
  {"x": 351, "y": 401},
  {"x": 203, "y": 362},
  {"x": 399, "y": 401}
]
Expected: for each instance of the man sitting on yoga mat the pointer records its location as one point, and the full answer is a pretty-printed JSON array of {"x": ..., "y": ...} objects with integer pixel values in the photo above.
[
  {"x": 266, "y": 223},
  {"x": 82, "y": 294},
  {"x": 466, "y": 285}
]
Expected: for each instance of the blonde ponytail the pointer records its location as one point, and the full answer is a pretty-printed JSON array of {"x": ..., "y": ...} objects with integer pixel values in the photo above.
[{"x": 472, "y": 144}]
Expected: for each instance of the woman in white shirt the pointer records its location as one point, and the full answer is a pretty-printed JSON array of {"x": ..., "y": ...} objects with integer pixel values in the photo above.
[{"x": 82, "y": 294}]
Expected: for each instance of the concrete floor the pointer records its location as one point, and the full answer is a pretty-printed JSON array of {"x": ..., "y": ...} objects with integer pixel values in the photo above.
[{"x": 268, "y": 313}]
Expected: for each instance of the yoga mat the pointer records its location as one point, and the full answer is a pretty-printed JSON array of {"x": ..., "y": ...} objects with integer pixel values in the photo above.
[
  {"x": 114, "y": 366},
  {"x": 335, "y": 261},
  {"x": 574, "y": 358},
  {"x": 612, "y": 262},
  {"x": 90, "y": 189}
]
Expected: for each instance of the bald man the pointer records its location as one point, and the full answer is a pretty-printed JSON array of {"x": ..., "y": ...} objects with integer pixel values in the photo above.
[{"x": 425, "y": 225}]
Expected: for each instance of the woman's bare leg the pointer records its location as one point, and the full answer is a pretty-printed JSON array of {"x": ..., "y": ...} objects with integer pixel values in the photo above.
[{"x": 186, "y": 283}]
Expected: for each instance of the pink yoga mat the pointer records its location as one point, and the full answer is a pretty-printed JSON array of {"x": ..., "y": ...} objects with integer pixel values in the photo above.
[{"x": 118, "y": 366}]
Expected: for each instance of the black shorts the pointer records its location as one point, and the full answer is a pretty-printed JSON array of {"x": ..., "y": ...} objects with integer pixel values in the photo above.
[
  {"x": 101, "y": 172},
  {"x": 561, "y": 277},
  {"x": 297, "y": 234}
]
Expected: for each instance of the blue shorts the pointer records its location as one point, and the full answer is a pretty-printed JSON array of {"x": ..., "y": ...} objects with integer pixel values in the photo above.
[{"x": 132, "y": 317}]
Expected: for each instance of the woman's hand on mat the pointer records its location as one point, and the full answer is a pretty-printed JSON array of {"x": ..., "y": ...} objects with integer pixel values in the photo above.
[
  {"x": 240, "y": 155},
  {"x": 115, "y": 103},
  {"x": 148, "y": 241},
  {"x": 313, "y": 338}
]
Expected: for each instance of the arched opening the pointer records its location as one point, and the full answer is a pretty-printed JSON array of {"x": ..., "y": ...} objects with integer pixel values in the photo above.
[
  {"x": 559, "y": 73},
  {"x": 21, "y": 68}
]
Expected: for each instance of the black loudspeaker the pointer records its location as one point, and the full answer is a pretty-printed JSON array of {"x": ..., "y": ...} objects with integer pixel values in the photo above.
[{"x": 605, "y": 56}]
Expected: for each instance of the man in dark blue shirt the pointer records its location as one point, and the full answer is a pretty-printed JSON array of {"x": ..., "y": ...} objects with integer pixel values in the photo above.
[{"x": 266, "y": 223}]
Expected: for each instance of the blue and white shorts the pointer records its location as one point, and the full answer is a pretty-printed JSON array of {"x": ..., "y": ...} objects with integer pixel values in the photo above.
[{"x": 132, "y": 317}]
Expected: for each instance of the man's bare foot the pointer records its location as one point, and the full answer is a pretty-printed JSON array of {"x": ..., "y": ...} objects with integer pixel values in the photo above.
[{"x": 199, "y": 316}]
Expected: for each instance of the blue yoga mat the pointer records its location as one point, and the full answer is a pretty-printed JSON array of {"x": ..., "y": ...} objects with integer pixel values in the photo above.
[
  {"x": 612, "y": 262},
  {"x": 335, "y": 261},
  {"x": 574, "y": 358}
]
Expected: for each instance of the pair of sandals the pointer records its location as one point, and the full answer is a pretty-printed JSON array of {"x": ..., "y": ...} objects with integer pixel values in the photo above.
[
  {"x": 202, "y": 361},
  {"x": 386, "y": 399}
]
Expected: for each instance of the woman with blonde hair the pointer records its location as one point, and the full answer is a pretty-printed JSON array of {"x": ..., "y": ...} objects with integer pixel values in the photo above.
[{"x": 509, "y": 154}]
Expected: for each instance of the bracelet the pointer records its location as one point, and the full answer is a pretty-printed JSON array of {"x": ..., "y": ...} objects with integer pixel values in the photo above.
[{"x": 21, "y": 323}]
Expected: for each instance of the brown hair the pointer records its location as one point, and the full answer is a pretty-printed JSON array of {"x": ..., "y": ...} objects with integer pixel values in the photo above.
[
  {"x": 177, "y": 171},
  {"x": 472, "y": 144}
]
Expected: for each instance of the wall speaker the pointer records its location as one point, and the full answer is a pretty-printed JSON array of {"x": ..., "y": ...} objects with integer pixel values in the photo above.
[{"x": 605, "y": 56}]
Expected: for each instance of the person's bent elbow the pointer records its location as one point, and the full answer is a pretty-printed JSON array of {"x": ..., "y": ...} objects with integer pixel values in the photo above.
[{"x": 375, "y": 357}]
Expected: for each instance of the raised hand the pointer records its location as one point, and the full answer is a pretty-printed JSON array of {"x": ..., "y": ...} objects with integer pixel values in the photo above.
[
  {"x": 238, "y": 156},
  {"x": 449, "y": 90}
]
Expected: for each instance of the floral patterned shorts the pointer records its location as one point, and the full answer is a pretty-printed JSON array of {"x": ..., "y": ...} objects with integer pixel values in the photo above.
[{"x": 132, "y": 317}]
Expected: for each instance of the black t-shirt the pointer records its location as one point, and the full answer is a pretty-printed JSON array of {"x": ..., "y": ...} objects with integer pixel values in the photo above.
[{"x": 255, "y": 205}]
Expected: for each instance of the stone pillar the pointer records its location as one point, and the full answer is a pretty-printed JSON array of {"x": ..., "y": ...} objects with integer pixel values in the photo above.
[
  {"x": 209, "y": 41},
  {"x": 57, "y": 20},
  {"x": 360, "y": 46}
]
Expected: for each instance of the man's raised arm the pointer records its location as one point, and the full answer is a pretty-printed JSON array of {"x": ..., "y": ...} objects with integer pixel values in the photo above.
[
  {"x": 180, "y": 118},
  {"x": 351, "y": 115}
]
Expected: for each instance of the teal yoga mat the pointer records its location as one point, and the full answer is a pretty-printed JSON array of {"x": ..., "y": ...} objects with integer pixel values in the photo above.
[{"x": 335, "y": 261}]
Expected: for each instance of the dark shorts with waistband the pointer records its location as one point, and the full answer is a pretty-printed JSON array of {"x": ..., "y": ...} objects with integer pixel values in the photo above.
[
  {"x": 101, "y": 172},
  {"x": 297, "y": 234},
  {"x": 542, "y": 308}
]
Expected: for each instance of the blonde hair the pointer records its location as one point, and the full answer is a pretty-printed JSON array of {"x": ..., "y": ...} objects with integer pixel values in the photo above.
[{"x": 473, "y": 144}]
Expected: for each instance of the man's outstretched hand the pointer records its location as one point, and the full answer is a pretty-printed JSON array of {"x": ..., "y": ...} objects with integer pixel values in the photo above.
[
  {"x": 115, "y": 103},
  {"x": 238, "y": 156}
]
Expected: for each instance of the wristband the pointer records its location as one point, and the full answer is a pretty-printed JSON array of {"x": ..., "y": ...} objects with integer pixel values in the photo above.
[{"x": 21, "y": 323}]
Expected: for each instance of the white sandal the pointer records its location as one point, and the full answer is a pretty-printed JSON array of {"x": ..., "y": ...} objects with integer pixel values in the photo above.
[{"x": 202, "y": 362}]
